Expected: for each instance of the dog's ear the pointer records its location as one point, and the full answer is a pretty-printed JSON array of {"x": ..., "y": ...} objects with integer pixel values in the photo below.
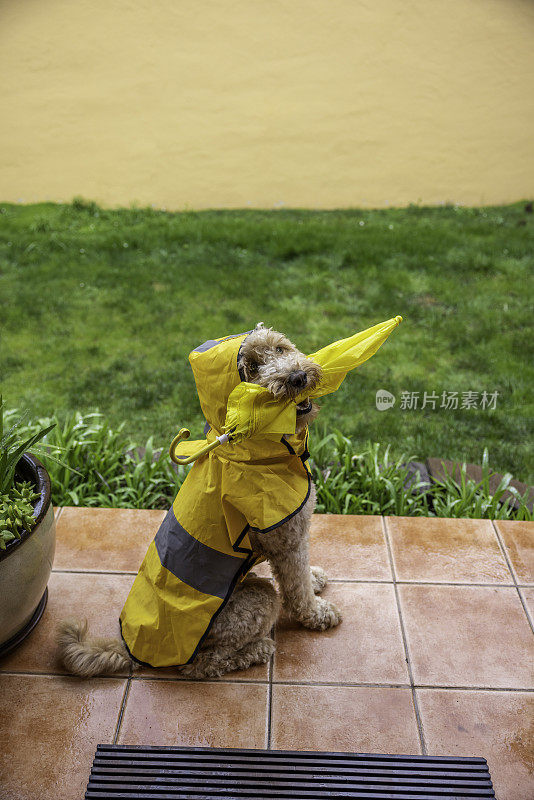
[{"x": 259, "y": 326}]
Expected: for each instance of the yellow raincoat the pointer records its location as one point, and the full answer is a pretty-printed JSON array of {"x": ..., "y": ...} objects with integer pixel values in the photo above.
[{"x": 255, "y": 481}]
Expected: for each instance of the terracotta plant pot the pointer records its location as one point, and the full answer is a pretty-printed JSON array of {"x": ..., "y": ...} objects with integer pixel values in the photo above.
[{"x": 26, "y": 563}]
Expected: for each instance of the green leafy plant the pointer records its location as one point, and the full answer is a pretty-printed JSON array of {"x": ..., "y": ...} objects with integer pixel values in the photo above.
[
  {"x": 16, "y": 498},
  {"x": 16, "y": 512},
  {"x": 101, "y": 466},
  {"x": 366, "y": 482},
  {"x": 371, "y": 481},
  {"x": 470, "y": 498}
]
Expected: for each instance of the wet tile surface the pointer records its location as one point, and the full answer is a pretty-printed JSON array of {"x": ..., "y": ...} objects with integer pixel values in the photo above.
[
  {"x": 198, "y": 714},
  {"x": 528, "y": 598},
  {"x": 49, "y": 728},
  {"x": 446, "y": 550},
  {"x": 345, "y": 718},
  {"x": 498, "y": 726},
  {"x": 457, "y": 635},
  {"x": 104, "y": 539},
  {"x": 468, "y": 636},
  {"x": 98, "y": 599},
  {"x": 518, "y": 539},
  {"x": 349, "y": 547},
  {"x": 366, "y": 647}
]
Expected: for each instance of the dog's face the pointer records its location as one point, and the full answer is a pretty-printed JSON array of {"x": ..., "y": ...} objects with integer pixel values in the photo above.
[{"x": 269, "y": 359}]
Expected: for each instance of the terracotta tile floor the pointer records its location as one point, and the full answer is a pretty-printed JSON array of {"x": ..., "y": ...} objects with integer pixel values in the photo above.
[{"x": 435, "y": 654}]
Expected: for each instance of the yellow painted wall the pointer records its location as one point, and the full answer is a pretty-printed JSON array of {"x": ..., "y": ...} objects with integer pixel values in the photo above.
[{"x": 233, "y": 103}]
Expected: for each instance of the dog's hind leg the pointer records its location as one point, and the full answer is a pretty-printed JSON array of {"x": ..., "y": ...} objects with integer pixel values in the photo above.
[{"x": 239, "y": 636}]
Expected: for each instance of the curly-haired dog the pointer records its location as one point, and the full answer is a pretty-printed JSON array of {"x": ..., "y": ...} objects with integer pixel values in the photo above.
[{"x": 240, "y": 634}]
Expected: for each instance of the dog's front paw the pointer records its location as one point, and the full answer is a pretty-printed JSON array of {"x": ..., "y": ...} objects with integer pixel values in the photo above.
[
  {"x": 319, "y": 579},
  {"x": 324, "y": 615}
]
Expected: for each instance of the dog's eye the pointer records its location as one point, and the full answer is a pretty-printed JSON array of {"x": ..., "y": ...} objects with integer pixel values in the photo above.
[
  {"x": 252, "y": 367},
  {"x": 279, "y": 349}
]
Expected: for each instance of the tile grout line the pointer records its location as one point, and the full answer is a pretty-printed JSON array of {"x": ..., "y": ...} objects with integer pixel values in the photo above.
[
  {"x": 504, "y": 552},
  {"x": 404, "y": 640},
  {"x": 330, "y": 580},
  {"x": 93, "y": 571},
  {"x": 66, "y": 675},
  {"x": 525, "y": 607},
  {"x": 346, "y": 684},
  {"x": 114, "y": 677},
  {"x": 270, "y": 694},
  {"x": 121, "y": 710},
  {"x": 407, "y": 686},
  {"x": 457, "y": 583},
  {"x": 472, "y": 688},
  {"x": 389, "y": 550},
  {"x": 512, "y": 572}
]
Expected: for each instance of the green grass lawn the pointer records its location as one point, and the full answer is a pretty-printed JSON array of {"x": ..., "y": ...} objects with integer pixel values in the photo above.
[{"x": 99, "y": 309}]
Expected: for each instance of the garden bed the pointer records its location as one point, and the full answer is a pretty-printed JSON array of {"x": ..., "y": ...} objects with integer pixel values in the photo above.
[{"x": 112, "y": 471}]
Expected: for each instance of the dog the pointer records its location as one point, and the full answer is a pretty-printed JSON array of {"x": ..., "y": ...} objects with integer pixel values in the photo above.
[{"x": 240, "y": 635}]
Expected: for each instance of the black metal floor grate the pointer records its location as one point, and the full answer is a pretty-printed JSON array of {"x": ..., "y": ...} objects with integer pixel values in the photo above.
[{"x": 169, "y": 773}]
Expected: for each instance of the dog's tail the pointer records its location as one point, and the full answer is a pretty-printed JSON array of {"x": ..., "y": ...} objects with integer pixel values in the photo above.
[{"x": 85, "y": 657}]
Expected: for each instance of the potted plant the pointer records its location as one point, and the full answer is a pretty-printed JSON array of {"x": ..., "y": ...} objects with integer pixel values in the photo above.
[{"x": 27, "y": 535}]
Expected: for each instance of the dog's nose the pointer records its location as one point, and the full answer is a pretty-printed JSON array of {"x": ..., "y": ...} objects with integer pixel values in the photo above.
[{"x": 298, "y": 379}]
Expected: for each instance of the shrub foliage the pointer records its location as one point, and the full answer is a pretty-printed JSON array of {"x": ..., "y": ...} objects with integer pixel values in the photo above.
[{"x": 102, "y": 466}]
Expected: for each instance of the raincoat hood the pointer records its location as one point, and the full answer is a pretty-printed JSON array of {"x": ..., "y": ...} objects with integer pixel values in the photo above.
[
  {"x": 246, "y": 411},
  {"x": 216, "y": 374}
]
